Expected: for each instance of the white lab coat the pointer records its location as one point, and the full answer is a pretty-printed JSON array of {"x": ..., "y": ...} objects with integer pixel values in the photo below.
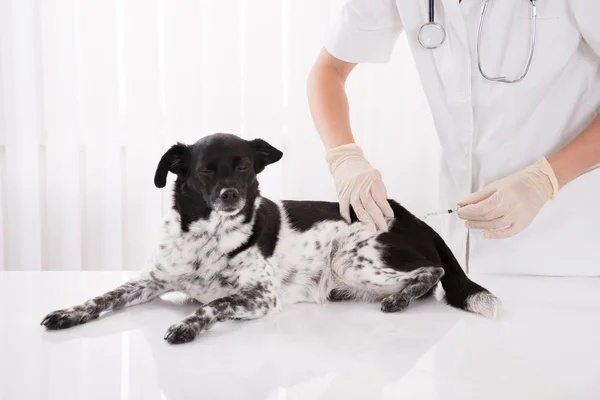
[{"x": 489, "y": 130}]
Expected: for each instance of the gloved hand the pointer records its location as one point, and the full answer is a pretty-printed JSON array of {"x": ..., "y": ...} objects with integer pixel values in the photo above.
[
  {"x": 359, "y": 184},
  {"x": 507, "y": 206}
]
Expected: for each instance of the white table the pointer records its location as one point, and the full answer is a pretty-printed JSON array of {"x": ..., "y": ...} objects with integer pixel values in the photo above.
[{"x": 545, "y": 344}]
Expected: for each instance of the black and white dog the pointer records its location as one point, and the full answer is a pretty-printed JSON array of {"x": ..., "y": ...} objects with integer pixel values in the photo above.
[{"x": 243, "y": 256}]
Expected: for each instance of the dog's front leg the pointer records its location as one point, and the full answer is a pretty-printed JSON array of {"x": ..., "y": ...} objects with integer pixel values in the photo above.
[
  {"x": 251, "y": 303},
  {"x": 136, "y": 291}
]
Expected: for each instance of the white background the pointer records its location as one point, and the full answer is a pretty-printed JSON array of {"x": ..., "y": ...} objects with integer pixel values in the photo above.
[{"x": 92, "y": 93}]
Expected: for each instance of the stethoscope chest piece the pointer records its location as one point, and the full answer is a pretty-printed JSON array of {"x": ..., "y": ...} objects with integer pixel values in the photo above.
[{"x": 431, "y": 35}]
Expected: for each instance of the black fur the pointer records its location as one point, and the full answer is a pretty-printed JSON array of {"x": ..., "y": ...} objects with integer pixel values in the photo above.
[
  {"x": 265, "y": 230},
  {"x": 175, "y": 160},
  {"x": 265, "y": 154},
  {"x": 303, "y": 215}
]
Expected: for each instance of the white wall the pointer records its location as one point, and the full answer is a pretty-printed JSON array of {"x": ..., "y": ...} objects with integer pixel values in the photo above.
[{"x": 92, "y": 92}]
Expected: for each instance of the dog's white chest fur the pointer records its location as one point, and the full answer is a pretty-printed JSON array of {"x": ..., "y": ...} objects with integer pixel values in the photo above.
[{"x": 198, "y": 259}]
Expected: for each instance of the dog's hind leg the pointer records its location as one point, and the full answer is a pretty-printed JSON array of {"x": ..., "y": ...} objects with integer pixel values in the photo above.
[
  {"x": 131, "y": 293},
  {"x": 358, "y": 265},
  {"x": 420, "y": 284}
]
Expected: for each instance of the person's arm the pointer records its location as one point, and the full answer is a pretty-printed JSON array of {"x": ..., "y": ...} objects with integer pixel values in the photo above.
[
  {"x": 328, "y": 101},
  {"x": 507, "y": 206},
  {"x": 579, "y": 156},
  {"x": 365, "y": 32},
  {"x": 358, "y": 183},
  {"x": 583, "y": 152}
]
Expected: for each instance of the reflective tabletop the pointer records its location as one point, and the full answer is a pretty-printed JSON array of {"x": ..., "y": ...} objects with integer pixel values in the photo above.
[{"x": 544, "y": 344}]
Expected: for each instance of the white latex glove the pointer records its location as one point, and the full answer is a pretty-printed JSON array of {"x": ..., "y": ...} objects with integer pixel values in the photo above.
[
  {"x": 507, "y": 206},
  {"x": 359, "y": 184}
]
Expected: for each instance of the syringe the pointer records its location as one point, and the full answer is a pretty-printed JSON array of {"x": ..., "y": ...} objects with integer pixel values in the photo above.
[{"x": 433, "y": 214}]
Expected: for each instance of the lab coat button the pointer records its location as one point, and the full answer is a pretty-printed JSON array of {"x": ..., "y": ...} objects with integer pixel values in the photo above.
[
  {"x": 466, "y": 151},
  {"x": 462, "y": 96}
]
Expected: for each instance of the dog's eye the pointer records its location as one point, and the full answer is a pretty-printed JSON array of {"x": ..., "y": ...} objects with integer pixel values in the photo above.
[
  {"x": 243, "y": 167},
  {"x": 204, "y": 171}
]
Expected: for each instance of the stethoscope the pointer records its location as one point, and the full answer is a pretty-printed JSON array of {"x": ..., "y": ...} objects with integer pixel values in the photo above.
[{"x": 432, "y": 35}]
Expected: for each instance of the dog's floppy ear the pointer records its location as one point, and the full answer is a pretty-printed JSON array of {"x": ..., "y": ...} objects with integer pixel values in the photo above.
[
  {"x": 264, "y": 154},
  {"x": 175, "y": 160}
]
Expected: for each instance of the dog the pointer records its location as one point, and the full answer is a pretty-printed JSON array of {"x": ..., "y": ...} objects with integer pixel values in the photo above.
[{"x": 243, "y": 256}]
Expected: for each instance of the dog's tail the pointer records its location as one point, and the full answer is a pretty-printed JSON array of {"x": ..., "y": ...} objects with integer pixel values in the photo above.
[{"x": 461, "y": 292}]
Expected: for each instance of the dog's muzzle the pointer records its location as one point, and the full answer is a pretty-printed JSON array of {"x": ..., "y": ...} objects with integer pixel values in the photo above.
[{"x": 229, "y": 201}]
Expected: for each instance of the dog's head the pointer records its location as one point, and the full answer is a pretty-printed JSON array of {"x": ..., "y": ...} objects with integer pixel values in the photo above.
[{"x": 221, "y": 169}]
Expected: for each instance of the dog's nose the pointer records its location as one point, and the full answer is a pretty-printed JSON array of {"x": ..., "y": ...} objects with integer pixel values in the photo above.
[{"x": 229, "y": 194}]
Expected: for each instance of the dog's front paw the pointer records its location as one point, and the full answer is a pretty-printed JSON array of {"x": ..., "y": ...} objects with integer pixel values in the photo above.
[
  {"x": 63, "y": 319},
  {"x": 184, "y": 331}
]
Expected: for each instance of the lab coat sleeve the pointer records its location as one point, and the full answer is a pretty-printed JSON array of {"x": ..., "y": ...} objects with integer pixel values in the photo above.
[
  {"x": 365, "y": 31},
  {"x": 587, "y": 16}
]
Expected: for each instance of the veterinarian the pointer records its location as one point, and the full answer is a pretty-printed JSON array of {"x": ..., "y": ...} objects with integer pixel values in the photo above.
[{"x": 517, "y": 120}]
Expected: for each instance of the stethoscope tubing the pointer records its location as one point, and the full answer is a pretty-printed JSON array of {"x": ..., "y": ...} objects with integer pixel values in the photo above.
[
  {"x": 431, "y": 11},
  {"x": 431, "y": 23}
]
